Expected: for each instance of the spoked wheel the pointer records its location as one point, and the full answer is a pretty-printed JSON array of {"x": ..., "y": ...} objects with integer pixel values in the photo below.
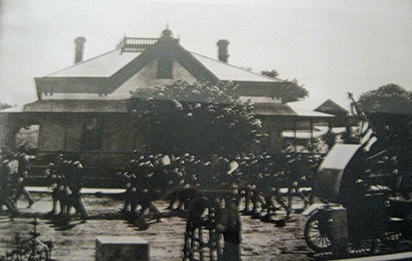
[
  {"x": 362, "y": 247},
  {"x": 317, "y": 233},
  {"x": 391, "y": 238}
]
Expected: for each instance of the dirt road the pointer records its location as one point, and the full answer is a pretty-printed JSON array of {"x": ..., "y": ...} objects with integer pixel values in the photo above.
[{"x": 261, "y": 241}]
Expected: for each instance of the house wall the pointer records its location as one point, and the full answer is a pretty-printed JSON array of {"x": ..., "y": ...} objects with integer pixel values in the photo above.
[
  {"x": 64, "y": 132},
  {"x": 51, "y": 137},
  {"x": 120, "y": 134},
  {"x": 73, "y": 128},
  {"x": 60, "y": 132},
  {"x": 147, "y": 78}
]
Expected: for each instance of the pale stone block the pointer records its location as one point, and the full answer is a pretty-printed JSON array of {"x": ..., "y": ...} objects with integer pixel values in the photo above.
[
  {"x": 339, "y": 231},
  {"x": 120, "y": 248}
]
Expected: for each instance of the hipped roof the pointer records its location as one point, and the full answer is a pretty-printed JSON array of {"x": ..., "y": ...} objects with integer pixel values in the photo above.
[
  {"x": 106, "y": 65},
  {"x": 307, "y": 109},
  {"x": 106, "y": 73},
  {"x": 270, "y": 109},
  {"x": 280, "y": 109}
]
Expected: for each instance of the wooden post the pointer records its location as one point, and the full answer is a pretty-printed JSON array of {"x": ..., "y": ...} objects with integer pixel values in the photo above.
[{"x": 294, "y": 135}]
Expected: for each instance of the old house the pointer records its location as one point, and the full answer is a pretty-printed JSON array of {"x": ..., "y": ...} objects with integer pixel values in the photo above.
[{"x": 85, "y": 107}]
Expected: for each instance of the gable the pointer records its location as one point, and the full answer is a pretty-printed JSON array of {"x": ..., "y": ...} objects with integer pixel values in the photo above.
[
  {"x": 147, "y": 78},
  {"x": 332, "y": 107}
]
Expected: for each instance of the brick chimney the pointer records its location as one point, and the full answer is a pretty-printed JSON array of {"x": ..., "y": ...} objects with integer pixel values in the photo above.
[
  {"x": 79, "y": 49},
  {"x": 223, "y": 50}
]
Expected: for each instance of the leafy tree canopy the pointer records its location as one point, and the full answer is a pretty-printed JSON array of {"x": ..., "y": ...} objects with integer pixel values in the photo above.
[
  {"x": 291, "y": 91},
  {"x": 273, "y": 73},
  {"x": 389, "y": 108},
  {"x": 389, "y": 98},
  {"x": 4, "y": 106},
  {"x": 288, "y": 91},
  {"x": 197, "y": 118}
]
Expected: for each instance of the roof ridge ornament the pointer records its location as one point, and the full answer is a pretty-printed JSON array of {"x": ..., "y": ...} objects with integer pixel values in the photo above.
[{"x": 167, "y": 33}]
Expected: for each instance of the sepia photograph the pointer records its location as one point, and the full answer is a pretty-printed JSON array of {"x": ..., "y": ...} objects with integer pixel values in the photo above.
[{"x": 205, "y": 130}]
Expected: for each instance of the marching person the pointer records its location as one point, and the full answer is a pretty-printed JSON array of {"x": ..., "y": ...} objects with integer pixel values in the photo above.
[
  {"x": 229, "y": 225},
  {"x": 24, "y": 170},
  {"x": 55, "y": 176},
  {"x": 145, "y": 188},
  {"x": 74, "y": 179},
  {"x": 9, "y": 180},
  {"x": 129, "y": 174}
]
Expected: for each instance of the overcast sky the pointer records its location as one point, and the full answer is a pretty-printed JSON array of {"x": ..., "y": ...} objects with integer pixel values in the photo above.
[{"x": 331, "y": 47}]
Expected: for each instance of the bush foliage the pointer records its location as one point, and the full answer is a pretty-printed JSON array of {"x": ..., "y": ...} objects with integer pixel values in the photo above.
[{"x": 199, "y": 118}]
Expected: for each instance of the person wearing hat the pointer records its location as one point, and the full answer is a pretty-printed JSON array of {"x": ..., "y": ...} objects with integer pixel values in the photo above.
[
  {"x": 55, "y": 175},
  {"x": 24, "y": 169},
  {"x": 229, "y": 224},
  {"x": 74, "y": 180},
  {"x": 9, "y": 180}
]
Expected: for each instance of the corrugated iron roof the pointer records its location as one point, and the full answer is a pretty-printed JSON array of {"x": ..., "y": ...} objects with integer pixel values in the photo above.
[
  {"x": 227, "y": 72},
  {"x": 17, "y": 108},
  {"x": 304, "y": 108},
  {"x": 331, "y": 106},
  {"x": 109, "y": 63},
  {"x": 104, "y": 65},
  {"x": 273, "y": 109},
  {"x": 77, "y": 106}
]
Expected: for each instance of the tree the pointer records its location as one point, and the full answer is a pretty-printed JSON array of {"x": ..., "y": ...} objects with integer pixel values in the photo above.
[
  {"x": 4, "y": 106},
  {"x": 288, "y": 91},
  {"x": 197, "y": 118},
  {"x": 390, "y": 98},
  {"x": 291, "y": 91},
  {"x": 273, "y": 73},
  {"x": 389, "y": 109}
]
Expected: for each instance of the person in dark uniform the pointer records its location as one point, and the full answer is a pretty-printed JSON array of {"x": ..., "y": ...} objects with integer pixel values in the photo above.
[
  {"x": 9, "y": 180},
  {"x": 141, "y": 182},
  {"x": 146, "y": 190},
  {"x": 129, "y": 176},
  {"x": 24, "y": 169},
  {"x": 55, "y": 175},
  {"x": 229, "y": 225},
  {"x": 74, "y": 180}
]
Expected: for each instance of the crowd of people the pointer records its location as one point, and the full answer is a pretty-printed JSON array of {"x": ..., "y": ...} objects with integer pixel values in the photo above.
[
  {"x": 254, "y": 178},
  {"x": 66, "y": 175},
  {"x": 149, "y": 177}
]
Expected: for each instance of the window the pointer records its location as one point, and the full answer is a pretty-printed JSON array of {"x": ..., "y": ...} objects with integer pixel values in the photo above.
[
  {"x": 92, "y": 138},
  {"x": 165, "y": 68}
]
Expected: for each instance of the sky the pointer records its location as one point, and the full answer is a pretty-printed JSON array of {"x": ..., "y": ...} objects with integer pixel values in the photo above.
[{"x": 330, "y": 46}]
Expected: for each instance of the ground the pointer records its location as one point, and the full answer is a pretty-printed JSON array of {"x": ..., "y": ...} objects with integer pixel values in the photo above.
[{"x": 261, "y": 241}]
